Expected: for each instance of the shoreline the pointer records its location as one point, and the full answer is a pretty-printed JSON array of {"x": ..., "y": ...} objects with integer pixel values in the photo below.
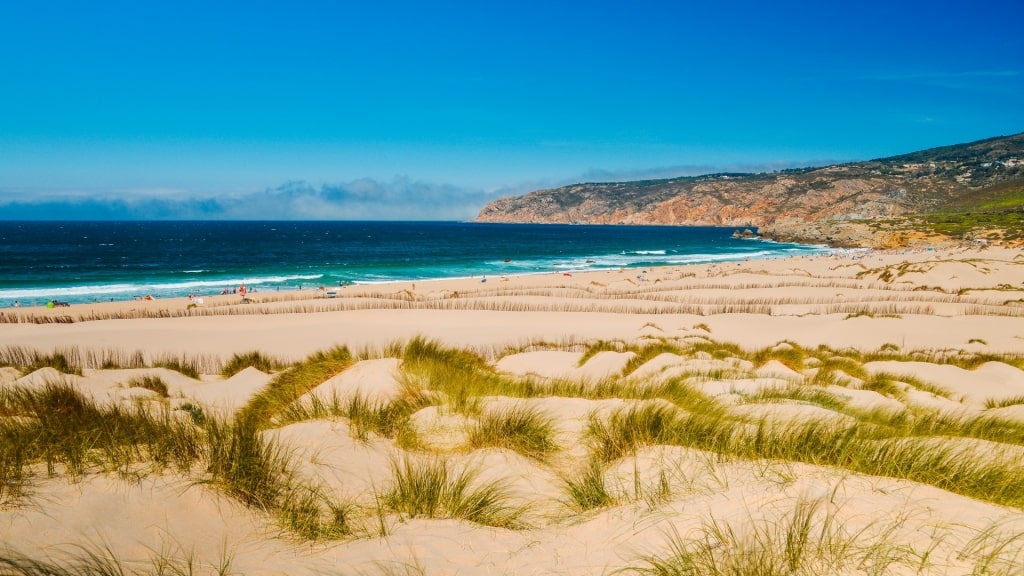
[
  {"x": 841, "y": 392},
  {"x": 812, "y": 296},
  {"x": 325, "y": 263},
  {"x": 359, "y": 287}
]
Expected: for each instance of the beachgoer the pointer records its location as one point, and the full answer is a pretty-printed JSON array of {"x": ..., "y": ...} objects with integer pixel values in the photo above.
[{"x": 241, "y": 290}]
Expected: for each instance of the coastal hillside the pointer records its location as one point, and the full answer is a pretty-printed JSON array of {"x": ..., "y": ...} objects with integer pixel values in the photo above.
[{"x": 809, "y": 204}]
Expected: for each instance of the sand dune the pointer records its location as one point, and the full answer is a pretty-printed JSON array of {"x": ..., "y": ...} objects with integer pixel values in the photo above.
[{"x": 858, "y": 413}]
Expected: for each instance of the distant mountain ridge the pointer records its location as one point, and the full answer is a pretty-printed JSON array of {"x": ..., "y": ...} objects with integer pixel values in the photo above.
[{"x": 808, "y": 204}]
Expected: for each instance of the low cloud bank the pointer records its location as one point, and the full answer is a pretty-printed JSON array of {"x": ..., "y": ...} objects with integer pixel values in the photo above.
[{"x": 365, "y": 199}]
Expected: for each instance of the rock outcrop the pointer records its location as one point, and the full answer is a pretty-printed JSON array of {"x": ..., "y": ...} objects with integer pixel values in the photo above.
[{"x": 831, "y": 198}]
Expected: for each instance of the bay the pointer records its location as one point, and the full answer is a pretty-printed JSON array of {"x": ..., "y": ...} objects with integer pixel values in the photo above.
[{"x": 99, "y": 261}]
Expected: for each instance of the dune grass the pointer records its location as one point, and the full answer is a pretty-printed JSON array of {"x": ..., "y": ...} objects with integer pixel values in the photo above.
[
  {"x": 389, "y": 420},
  {"x": 187, "y": 366},
  {"x": 595, "y": 348},
  {"x": 523, "y": 429},
  {"x": 877, "y": 442},
  {"x": 55, "y": 425},
  {"x": 804, "y": 394},
  {"x": 259, "y": 472},
  {"x": 69, "y": 434},
  {"x": 1004, "y": 402},
  {"x": 807, "y": 540},
  {"x": 73, "y": 360},
  {"x": 311, "y": 515},
  {"x": 630, "y": 428},
  {"x": 254, "y": 359},
  {"x": 289, "y": 385},
  {"x": 101, "y": 560},
  {"x": 431, "y": 488},
  {"x": 460, "y": 376},
  {"x": 60, "y": 426},
  {"x": 149, "y": 382},
  {"x": 246, "y": 465},
  {"x": 865, "y": 447},
  {"x": 64, "y": 360},
  {"x": 587, "y": 489}
]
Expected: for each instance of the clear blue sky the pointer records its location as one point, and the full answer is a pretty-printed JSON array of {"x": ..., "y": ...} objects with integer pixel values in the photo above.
[{"x": 429, "y": 109}]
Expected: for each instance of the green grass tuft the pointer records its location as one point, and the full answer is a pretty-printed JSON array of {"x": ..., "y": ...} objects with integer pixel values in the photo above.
[
  {"x": 810, "y": 539},
  {"x": 184, "y": 366},
  {"x": 627, "y": 429},
  {"x": 1004, "y": 402},
  {"x": 57, "y": 426},
  {"x": 588, "y": 491},
  {"x": 289, "y": 385},
  {"x": 246, "y": 465},
  {"x": 431, "y": 489},
  {"x": 150, "y": 382},
  {"x": 524, "y": 430},
  {"x": 254, "y": 359}
]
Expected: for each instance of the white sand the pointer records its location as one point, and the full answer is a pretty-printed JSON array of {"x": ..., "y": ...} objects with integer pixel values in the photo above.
[{"x": 935, "y": 302}]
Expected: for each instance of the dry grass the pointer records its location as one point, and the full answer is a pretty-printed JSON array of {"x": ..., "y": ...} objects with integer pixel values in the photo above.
[{"x": 57, "y": 430}]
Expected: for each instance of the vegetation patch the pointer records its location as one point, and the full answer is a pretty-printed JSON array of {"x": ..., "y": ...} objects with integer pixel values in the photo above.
[
  {"x": 522, "y": 429},
  {"x": 254, "y": 359},
  {"x": 431, "y": 488},
  {"x": 149, "y": 382}
]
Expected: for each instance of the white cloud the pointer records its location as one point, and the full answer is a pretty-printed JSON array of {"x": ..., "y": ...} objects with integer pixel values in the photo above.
[{"x": 364, "y": 199}]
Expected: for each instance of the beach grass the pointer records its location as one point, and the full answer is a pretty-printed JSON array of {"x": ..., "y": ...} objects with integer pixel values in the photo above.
[
  {"x": 523, "y": 429},
  {"x": 69, "y": 434},
  {"x": 246, "y": 465},
  {"x": 58, "y": 427},
  {"x": 808, "y": 539},
  {"x": 150, "y": 382},
  {"x": 627, "y": 429},
  {"x": 253, "y": 359},
  {"x": 27, "y": 360},
  {"x": 586, "y": 489},
  {"x": 99, "y": 559},
  {"x": 288, "y": 385},
  {"x": 433, "y": 488}
]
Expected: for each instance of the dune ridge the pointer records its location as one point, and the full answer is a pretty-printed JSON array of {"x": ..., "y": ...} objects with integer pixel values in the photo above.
[{"x": 844, "y": 414}]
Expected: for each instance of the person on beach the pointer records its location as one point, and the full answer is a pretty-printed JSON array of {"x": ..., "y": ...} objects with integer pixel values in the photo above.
[{"x": 241, "y": 290}]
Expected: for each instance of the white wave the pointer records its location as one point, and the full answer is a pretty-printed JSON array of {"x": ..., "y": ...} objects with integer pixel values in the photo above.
[
  {"x": 639, "y": 258},
  {"x": 144, "y": 288}
]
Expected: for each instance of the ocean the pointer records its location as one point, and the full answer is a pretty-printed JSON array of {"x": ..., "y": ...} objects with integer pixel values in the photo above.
[{"x": 80, "y": 262}]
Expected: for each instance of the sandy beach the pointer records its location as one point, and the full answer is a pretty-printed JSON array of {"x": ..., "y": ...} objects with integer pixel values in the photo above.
[{"x": 683, "y": 409}]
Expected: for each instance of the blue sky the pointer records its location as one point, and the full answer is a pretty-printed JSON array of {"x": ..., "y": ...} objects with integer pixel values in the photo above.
[{"x": 430, "y": 109}]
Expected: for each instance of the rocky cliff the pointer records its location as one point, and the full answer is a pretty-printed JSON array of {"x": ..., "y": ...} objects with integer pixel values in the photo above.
[{"x": 791, "y": 203}]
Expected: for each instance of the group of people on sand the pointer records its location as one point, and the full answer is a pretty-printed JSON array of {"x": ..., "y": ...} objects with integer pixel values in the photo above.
[{"x": 241, "y": 291}]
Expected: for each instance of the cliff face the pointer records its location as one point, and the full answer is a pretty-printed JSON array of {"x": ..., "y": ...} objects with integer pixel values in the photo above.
[
  {"x": 726, "y": 200},
  {"x": 875, "y": 190}
]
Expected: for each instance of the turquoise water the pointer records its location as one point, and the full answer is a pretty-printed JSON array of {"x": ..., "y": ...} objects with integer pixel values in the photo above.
[{"x": 99, "y": 261}]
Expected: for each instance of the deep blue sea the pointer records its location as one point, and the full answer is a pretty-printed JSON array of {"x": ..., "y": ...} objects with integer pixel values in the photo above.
[{"x": 100, "y": 261}]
